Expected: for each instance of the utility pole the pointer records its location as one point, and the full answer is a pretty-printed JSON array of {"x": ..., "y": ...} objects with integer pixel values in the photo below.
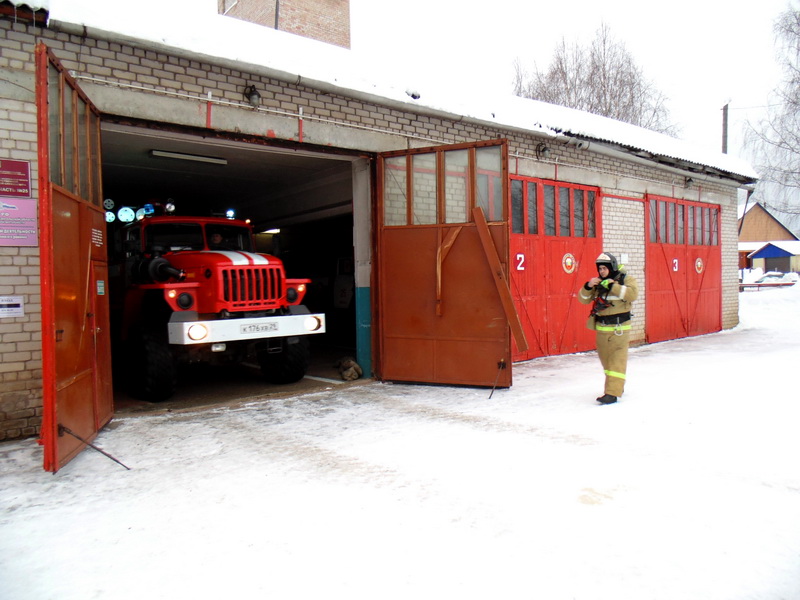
[{"x": 725, "y": 129}]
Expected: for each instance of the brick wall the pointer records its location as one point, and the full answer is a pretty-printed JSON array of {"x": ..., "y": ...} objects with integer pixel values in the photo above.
[
  {"x": 323, "y": 20},
  {"x": 135, "y": 82},
  {"x": 20, "y": 337},
  {"x": 624, "y": 237}
]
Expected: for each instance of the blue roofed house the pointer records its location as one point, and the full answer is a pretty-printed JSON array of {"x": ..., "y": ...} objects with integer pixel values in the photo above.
[{"x": 765, "y": 243}]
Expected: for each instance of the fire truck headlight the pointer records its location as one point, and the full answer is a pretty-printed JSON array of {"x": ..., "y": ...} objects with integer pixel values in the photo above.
[
  {"x": 313, "y": 323},
  {"x": 291, "y": 295},
  {"x": 197, "y": 332}
]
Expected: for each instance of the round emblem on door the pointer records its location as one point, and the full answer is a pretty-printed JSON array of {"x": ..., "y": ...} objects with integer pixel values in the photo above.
[
  {"x": 698, "y": 265},
  {"x": 568, "y": 263}
]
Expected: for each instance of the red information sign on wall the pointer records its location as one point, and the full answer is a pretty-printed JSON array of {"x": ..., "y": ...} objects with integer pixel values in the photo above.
[{"x": 15, "y": 178}]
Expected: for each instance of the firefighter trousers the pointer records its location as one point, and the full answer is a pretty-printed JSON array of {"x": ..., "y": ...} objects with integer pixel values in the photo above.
[{"x": 612, "y": 348}]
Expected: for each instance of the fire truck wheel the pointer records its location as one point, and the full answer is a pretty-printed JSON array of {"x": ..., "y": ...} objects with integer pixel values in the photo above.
[
  {"x": 153, "y": 373},
  {"x": 288, "y": 365}
]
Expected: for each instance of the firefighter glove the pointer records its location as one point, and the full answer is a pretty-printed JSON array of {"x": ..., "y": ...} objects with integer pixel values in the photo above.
[{"x": 607, "y": 283}]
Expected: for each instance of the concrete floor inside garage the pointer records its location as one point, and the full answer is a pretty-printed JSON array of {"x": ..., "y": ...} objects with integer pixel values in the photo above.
[{"x": 210, "y": 387}]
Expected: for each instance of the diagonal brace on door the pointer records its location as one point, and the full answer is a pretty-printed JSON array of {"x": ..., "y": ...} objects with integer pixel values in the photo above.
[
  {"x": 500, "y": 281},
  {"x": 441, "y": 254}
]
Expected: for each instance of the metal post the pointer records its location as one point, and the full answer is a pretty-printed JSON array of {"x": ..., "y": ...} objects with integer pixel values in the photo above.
[{"x": 725, "y": 129}]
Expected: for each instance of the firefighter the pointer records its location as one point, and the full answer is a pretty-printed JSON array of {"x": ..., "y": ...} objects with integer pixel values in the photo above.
[{"x": 611, "y": 294}]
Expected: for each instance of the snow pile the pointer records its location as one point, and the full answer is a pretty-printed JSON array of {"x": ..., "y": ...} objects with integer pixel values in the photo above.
[{"x": 687, "y": 488}]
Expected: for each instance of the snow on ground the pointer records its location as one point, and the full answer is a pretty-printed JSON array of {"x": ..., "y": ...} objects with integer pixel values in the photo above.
[{"x": 689, "y": 488}]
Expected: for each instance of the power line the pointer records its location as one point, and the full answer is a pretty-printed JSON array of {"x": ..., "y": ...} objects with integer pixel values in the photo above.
[{"x": 751, "y": 107}]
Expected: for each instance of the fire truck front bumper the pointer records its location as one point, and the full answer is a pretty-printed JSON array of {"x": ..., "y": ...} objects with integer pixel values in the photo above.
[{"x": 234, "y": 330}]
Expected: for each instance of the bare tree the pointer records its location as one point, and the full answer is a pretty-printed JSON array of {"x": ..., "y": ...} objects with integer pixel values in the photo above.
[
  {"x": 601, "y": 78},
  {"x": 776, "y": 140}
]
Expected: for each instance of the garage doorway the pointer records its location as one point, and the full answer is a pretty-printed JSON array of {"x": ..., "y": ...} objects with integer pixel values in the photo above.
[{"x": 300, "y": 204}]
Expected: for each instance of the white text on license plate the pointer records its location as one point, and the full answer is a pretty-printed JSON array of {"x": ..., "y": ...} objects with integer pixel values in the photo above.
[{"x": 258, "y": 328}]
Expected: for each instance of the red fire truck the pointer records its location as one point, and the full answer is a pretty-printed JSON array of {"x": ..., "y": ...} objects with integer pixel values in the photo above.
[{"x": 192, "y": 289}]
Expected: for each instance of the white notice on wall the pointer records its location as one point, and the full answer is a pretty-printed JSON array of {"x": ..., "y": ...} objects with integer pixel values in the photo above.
[{"x": 11, "y": 306}]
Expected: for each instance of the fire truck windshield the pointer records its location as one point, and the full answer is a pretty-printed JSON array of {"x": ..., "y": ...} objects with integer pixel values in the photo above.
[
  {"x": 171, "y": 237},
  {"x": 174, "y": 237},
  {"x": 228, "y": 237}
]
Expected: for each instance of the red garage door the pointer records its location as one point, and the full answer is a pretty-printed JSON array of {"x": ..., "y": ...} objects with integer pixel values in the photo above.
[
  {"x": 684, "y": 269},
  {"x": 553, "y": 244},
  {"x": 76, "y": 355},
  {"x": 445, "y": 311}
]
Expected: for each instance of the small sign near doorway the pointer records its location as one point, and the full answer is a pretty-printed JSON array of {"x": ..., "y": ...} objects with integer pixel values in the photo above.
[
  {"x": 15, "y": 178},
  {"x": 18, "y": 222},
  {"x": 11, "y": 306}
]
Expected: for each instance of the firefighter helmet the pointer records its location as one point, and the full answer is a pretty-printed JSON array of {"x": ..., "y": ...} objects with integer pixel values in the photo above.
[{"x": 609, "y": 260}]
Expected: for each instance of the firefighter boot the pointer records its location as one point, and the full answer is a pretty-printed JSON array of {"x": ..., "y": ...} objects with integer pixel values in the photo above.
[{"x": 607, "y": 399}]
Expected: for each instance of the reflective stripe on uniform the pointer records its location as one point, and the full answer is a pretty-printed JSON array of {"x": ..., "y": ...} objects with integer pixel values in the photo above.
[
  {"x": 615, "y": 374},
  {"x": 621, "y": 327}
]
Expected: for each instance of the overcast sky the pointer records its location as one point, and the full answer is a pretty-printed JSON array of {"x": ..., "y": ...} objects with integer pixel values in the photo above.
[{"x": 700, "y": 53}]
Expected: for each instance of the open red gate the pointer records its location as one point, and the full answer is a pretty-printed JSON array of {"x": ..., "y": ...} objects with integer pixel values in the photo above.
[
  {"x": 76, "y": 354},
  {"x": 554, "y": 243},
  {"x": 445, "y": 310},
  {"x": 684, "y": 273}
]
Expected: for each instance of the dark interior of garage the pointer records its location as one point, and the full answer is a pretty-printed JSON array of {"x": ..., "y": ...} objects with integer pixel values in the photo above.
[{"x": 299, "y": 204}]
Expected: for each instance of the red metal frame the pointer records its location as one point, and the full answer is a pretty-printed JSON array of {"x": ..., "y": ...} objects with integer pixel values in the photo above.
[{"x": 48, "y": 431}]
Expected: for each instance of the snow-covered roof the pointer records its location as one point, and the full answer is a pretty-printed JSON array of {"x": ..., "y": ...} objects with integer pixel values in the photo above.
[
  {"x": 792, "y": 247},
  {"x": 193, "y": 28},
  {"x": 32, "y": 4},
  {"x": 750, "y": 246},
  {"x": 789, "y": 246}
]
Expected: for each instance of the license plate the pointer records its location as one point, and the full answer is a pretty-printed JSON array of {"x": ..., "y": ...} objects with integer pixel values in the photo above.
[{"x": 258, "y": 328}]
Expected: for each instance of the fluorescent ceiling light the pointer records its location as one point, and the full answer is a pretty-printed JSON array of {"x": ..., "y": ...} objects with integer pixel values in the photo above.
[{"x": 193, "y": 157}]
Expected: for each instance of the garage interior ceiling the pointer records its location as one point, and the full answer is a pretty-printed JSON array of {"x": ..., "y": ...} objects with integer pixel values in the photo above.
[{"x": 271, "y": 186}]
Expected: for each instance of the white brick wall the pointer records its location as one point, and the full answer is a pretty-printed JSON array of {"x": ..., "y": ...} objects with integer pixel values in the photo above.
[{"x": 624, "y": 233}]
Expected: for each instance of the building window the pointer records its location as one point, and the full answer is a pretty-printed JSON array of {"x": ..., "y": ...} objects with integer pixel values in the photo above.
[
  {"x": 683, "y": 223},
  {"x": 443, "y": 185},
  {"x": 567, "y": 210}
]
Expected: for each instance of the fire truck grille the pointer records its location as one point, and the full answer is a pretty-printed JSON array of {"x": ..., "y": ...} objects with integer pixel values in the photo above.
[{"x": 252, "y": 287}]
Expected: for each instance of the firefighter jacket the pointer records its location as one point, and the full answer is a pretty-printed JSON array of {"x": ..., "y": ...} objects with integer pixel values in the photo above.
[{"x": 612, "y": 305}]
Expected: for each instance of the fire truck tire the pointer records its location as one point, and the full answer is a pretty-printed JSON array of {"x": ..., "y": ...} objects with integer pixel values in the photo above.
[
  {"x": 154, "y": 376},
  {"x": 288, "y": 365}
]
